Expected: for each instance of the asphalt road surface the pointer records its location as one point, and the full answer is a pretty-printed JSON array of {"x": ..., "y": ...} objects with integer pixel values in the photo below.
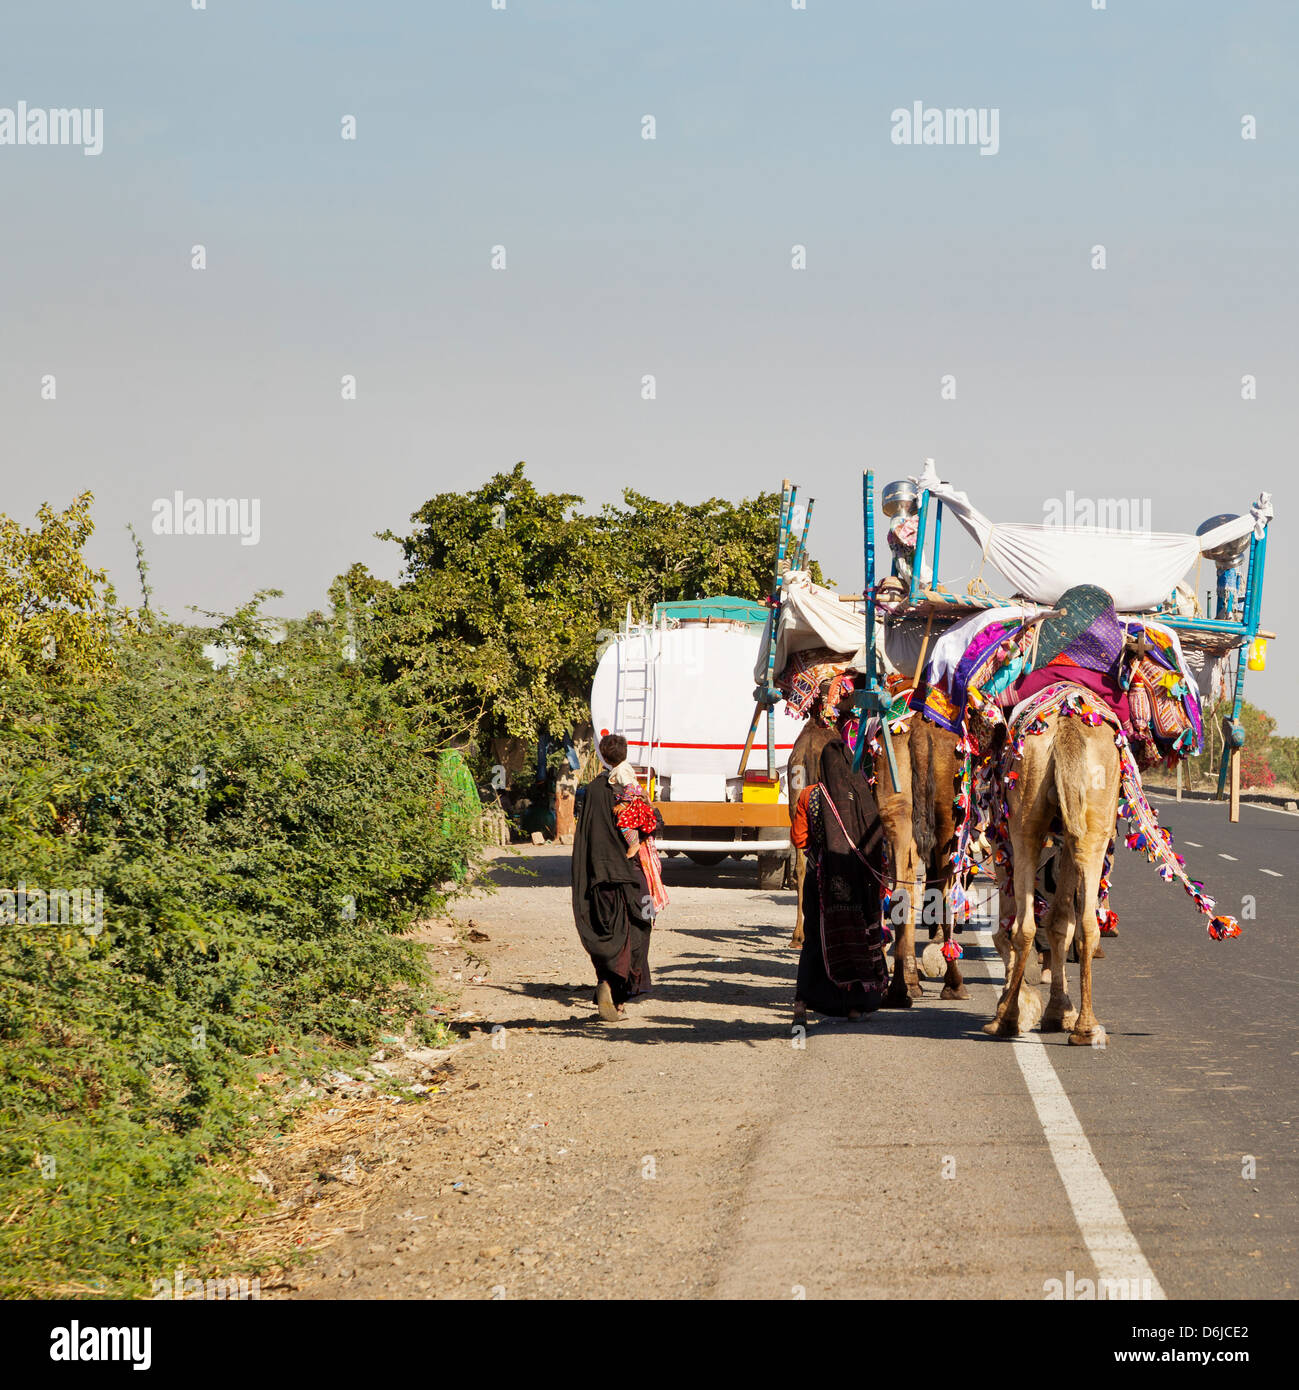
[
  {"x": 697, "y": 1151},
  {"x": 1189, "y": 1112},
  {"x": 1200, "y": 1074}
]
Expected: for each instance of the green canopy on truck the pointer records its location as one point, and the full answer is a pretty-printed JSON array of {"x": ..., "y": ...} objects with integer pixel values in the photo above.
[{"x": 724, "y": 608}]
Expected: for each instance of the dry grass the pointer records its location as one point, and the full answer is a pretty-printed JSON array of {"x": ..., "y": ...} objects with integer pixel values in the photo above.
[{"x": 323, "y": 1176}]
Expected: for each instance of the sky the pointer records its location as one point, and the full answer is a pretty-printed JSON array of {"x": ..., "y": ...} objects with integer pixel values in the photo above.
[{"x": 522, "y": 127}]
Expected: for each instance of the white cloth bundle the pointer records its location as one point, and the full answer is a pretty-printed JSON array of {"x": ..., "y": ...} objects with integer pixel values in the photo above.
[{"x": 1140, "y": 568}]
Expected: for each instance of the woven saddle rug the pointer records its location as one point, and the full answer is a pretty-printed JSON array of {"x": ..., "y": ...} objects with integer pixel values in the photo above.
[
  {"x": 806, "y": 672},
  {"x": 1164, "y": 703},
  {"x": 983, "y": 781}
]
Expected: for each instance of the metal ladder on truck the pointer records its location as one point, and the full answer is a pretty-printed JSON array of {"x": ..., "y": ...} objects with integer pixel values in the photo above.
[{"x": 635, "y": 706}]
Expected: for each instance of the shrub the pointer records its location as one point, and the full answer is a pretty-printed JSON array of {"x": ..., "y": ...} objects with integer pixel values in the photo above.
[{"x": 260, "y": 836}]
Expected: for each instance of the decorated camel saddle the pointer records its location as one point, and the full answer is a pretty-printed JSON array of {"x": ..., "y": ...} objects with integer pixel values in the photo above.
[{"x": 1081, "y": 660}]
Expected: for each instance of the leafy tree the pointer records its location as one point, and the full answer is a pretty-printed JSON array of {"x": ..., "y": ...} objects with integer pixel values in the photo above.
[
  {"x": 56, "y": 612},
  {"x": 1283, "y": 754},
  {"x": 1264, "y": 757},
  {"x": 679, "y": 550},
  {"x": 492, "y": 630}
]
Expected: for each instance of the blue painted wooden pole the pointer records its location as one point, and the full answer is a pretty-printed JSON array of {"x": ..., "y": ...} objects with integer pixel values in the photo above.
[
  {"x": 800, "y": 557},
  {"x": 761, "y": 696},
  {"x": 783, "y": 541},
  {"x": 920, "y": 546},
  {"x": 872, "y": 700},
  {"x": 868, "y": 593},
  {"x": 1251, "y": 617},
  {"x": 938, "y": 545},
  {"x": 868, "y": 580}
]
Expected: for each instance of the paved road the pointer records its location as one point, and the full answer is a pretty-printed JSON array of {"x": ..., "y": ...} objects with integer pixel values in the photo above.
[
  {"x": 1201, "y": 1068},
  {"x": 1197, "y": 1079},
  {"x": 695, "y": 1151}
]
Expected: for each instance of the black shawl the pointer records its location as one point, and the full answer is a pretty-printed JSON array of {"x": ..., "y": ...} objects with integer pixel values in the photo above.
[
  {"x": 849, "y": 868},
  {"x": 609, "y": 890}
]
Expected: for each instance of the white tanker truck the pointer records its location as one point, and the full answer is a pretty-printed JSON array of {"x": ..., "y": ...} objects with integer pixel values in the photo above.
[{"x": 679, "y": 689}]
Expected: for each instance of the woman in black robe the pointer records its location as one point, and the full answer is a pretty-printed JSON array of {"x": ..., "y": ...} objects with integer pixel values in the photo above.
[
  {"x": 611, "y": 899},
  {"x": 841, "y": 970}
]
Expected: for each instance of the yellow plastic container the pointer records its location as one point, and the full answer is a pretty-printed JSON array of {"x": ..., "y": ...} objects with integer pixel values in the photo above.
[
  {"x": 762, "y": 793},
  {"x": 1256, "y": 660}
]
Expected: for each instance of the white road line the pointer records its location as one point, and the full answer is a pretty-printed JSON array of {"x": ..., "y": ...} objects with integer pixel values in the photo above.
[
  {"x": 1272, "y": 872},
  {"x": 1194, "y": 844},
  {"x": 1100, "y": 1219},
  {"x": 1250, "y": 805},
  {"x": 1232, "y": 857}
]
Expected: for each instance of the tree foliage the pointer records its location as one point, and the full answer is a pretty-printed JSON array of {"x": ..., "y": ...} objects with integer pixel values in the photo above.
[
  {"x": 259, "y": 837},
  {"x": 494, "y": 626},
  {"x": 56, "y": 612}
]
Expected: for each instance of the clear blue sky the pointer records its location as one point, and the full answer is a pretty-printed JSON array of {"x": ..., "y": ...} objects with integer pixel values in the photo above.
[{"x": 523, "y": 127}]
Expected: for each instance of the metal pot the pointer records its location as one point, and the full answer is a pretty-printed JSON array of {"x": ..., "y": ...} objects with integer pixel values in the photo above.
[
  {"x": 901, "y": 496},
  {"x": 1230, "y": 553}
]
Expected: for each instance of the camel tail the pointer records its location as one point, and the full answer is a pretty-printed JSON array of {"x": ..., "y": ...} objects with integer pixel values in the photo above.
[{"x": 1070, "y": 761}]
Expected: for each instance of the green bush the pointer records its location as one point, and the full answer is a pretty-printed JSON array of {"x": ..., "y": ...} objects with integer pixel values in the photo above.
[{"x": 260, "y": 834}]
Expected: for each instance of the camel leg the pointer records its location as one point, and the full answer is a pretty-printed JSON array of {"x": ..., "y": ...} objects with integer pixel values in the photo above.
[
  {"x": 1006, "y": 1022},
  {"x": 905, "y": 985},
  {"x": 916, "y": 900},
  {"x": 800, "y": 873},
  {"x": 1088, "y": 843},
  {"x": 1087, "y": 1031},
  {"x": 1060, "y": 1015}
]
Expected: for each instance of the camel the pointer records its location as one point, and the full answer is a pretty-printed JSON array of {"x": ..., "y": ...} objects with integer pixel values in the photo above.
[
  {"x": 921, "y": 832},
  {"x": 1070, "y": 770},
  {"x": 921, "y": 835}
]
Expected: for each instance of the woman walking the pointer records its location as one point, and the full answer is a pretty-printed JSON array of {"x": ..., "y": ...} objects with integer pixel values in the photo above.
[
  {"x": 617, "y": 889},
  {"x": 841, "y": 969}
]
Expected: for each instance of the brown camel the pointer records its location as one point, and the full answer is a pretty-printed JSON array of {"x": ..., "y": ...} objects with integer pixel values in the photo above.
[
  {"x": 921, "y": 830},
  {"x": 921, "y": 834},
  {"x": 1070, "y": 771}
]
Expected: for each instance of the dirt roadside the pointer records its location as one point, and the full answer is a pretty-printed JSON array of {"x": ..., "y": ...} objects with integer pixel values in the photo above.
[{"x": 562, "y": 1157}]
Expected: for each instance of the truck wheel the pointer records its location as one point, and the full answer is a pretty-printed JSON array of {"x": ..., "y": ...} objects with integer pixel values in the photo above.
[
  {"x": 771, "y": 867},
  {"x": 705, "y": 858}
]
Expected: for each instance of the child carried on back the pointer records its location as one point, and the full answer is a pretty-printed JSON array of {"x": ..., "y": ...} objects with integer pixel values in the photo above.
[{"x": 632, "y": 809}]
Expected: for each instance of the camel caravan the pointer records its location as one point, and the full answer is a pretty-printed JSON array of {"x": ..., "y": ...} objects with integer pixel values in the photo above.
[{"x": 1004, "y": 736}]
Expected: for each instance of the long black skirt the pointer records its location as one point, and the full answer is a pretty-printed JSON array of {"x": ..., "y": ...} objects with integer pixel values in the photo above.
[
  {"x": 626, "y": 969},
  {"x": 814, "y": 987}
]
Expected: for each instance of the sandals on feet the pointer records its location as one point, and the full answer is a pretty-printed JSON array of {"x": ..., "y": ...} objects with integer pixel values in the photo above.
[{"x": 609, "y": 1011}]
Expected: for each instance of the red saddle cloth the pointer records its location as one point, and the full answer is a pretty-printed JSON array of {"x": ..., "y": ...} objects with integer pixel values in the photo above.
[{"x": 1107, "y": 689}]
